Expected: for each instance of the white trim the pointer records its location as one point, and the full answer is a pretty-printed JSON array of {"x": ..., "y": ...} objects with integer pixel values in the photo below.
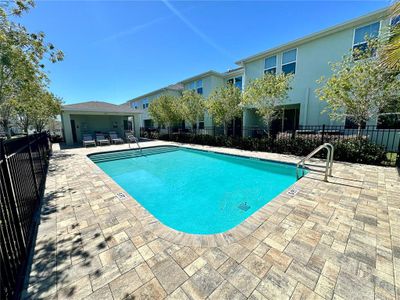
[
  {"x": 276, "y": 64},
  {"x": 391, "y": 19},
  {"x": 380, "y": 14},
  {"x": 294, "y": 61},
  {"x": 234, "y": 80},
  {"x": 365, "y": 25}
]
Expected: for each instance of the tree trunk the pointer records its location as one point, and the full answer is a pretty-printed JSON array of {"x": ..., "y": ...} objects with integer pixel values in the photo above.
[
  {"x": 225, "y": 128},
  {"x": 359, "y": 130},
  {"x": 39, "y": 126},
  {"x": 6, "y": 128}
]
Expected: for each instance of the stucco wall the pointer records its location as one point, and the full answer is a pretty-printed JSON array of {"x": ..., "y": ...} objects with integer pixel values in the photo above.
[
  {"x": 91, "y": 124},
  {"x": 150, "y": 98},
  {"x": 312, "y": 62}
]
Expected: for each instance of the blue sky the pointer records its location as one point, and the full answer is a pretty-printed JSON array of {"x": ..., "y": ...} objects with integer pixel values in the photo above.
[{"x": 117, "y": 50}]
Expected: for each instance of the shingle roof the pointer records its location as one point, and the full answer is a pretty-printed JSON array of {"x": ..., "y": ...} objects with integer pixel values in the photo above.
[{"x": 99, "y": 106}]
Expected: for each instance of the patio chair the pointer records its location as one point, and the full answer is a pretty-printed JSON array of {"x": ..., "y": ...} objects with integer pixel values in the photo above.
[
  {"x": 115, "y": 138},
  {"x": 101, "y": 140},
  {"x": 88, "y": 140}
]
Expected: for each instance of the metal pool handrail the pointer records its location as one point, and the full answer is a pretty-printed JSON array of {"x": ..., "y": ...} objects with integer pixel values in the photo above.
[
  {"x": 329, "y": 160},
  {"x": 132, "y": 138}
]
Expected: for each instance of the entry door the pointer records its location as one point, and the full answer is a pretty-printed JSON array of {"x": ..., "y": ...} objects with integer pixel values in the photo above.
[
  {"x": 73, "y": 128},
  {"x": 291, "y": 121}
]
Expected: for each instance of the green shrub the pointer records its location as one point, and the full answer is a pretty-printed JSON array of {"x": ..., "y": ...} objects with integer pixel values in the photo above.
[{"x": 350, "y": 149}]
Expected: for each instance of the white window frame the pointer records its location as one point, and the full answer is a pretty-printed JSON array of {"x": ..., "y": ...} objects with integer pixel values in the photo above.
[
  {"x": 294, "y": 61},
  {"x": 193, "y": 86},
  {"x": 276, "y": 64},
  {"x": 234, "y": 80},
  {"x": 134, "y": 104},
  {"x": 354, "y": 33},
  {"x": 145, "y": 103},
  {"x": 391, "y": 20}
]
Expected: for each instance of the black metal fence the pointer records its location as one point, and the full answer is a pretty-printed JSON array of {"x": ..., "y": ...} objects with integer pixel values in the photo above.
[
  {"x": 23, "y": 169},
  {"x": 299, "y": 141}
]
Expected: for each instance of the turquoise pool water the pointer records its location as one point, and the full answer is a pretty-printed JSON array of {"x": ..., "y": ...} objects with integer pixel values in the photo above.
[{"x": 196, "y": 191}]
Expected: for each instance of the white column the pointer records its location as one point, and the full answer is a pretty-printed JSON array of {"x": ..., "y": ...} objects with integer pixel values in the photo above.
[
  {"x": 245, "y": 123},
  {"x": 66, "y": 124},
  {"x": 137, "y": 123}
]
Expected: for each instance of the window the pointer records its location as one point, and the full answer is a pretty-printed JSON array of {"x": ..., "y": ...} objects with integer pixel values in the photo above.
[
  {"x": 270, "y": 65},
  {"x": 145, "y": 103},
  {"x": 201, "y": 122},
  {"x": 134, "y": 105},
  {"x": 350, "y": 124},
  {"x": 237, "y": 81},
  {"x": 362, "y": 35},
  {"x": 197, "y": 86},
  {"x": 389, "y": 121},
  {"x": 395, "y": 21},
  {"x": 289, "y": 61}
]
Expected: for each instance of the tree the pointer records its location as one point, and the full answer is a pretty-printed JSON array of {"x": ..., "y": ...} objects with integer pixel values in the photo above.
[
  {"x": 164, "y": 110},
  {"x": 391, "y": 51},
  {"x": 223, "y": 104},
  {"x": 21, "y": 58},
  {"x": 45, "y": 109},
  {"x": 265, "y": 94},
  {"x": 360, "y": 89},
  {"x": 192, "y": 107}
]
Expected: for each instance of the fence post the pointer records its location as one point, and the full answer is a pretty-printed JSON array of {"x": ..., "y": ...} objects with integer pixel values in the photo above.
[
  {"x": 33, "y": 169},
  {"x": 323, "y": 134},
  {"x": 39, "y": 147}
]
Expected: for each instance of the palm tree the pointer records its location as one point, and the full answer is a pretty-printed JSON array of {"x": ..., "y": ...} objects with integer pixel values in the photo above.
[{"x": 391, "y": 51}]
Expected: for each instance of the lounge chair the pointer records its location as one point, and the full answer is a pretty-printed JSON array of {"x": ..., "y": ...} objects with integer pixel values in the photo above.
[
  {"x": 88, "y": 140},
  {"x": 101, "y": 140},
  {"x": 115, "y": 138}
]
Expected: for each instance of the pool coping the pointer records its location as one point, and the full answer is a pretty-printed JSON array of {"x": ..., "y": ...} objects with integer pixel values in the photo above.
[{"x": 237, "y": 233}]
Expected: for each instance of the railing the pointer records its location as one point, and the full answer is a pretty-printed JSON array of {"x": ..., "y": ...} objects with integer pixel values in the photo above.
[
  {"x": 23, "y": 169},
  {"x": 298, "y": 141},
  {"x": 329, "y": 160},
  {"x": 133, "y": 139}
]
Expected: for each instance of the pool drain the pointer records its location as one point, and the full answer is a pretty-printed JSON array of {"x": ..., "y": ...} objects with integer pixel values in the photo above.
[{"x": 243, "y": 206}]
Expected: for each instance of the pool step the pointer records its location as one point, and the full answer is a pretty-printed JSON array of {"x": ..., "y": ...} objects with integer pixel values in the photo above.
[{"x": 126, "y": 154}]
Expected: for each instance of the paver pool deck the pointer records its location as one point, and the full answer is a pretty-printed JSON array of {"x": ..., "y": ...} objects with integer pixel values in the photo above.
[{"x": 331, "y": 240}]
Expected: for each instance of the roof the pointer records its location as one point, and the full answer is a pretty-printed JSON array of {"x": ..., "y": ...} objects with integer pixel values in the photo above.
[
  {"x": 233, "y": 72},
  {"x": 172, "y": 87},
  {"x": 99, "y": 106},
  {"x": 201, "y": 75},
  {"x": 382, "y": 13}
]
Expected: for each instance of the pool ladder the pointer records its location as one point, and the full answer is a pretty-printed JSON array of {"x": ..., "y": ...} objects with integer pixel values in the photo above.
[
  {"x": 328, "y": 165},
  {"x": 133, "y": 139}
]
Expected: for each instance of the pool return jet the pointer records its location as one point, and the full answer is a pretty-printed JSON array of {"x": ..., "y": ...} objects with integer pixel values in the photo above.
[{"x": 328, "y": 165}]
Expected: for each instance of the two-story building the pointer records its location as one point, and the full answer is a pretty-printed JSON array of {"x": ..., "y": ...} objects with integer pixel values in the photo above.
[{"x": 308, "y": 58}]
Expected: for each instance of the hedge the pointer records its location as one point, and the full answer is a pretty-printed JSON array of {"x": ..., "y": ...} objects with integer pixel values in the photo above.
[{"x": 349, "y": 149}]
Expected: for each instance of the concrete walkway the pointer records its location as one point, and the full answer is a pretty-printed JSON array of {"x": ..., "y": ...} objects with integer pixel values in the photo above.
[{"x": 336, "y": 240}]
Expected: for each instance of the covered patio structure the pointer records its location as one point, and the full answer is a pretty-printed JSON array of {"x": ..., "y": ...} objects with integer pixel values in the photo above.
[{"x": 98, "y": 117}]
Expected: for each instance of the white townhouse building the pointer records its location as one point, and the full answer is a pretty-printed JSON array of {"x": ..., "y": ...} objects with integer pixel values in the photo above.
[{"x": 307, "y": 58}]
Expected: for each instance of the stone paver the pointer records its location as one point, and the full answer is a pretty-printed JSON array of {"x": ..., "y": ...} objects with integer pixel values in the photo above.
[{"x": 335, "y": 240}]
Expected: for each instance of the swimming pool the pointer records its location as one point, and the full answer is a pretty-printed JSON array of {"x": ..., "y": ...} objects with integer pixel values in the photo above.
[{"x": 196, "y": 191}]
